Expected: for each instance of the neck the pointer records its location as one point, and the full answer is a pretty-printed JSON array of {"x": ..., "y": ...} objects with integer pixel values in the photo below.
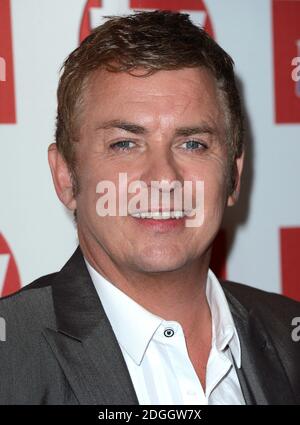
[{"x": 178, "y": 295}]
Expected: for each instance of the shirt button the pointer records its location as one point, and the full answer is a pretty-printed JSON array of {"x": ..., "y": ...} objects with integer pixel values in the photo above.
[{"x": 168, "y": 332}]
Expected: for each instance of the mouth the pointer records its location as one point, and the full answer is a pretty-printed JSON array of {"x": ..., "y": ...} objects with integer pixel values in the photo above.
[
  {"x": 160, "y": 215},
  {"x": 160, "y": 221}
]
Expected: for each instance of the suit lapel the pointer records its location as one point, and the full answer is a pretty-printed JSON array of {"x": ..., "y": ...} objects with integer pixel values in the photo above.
[
  {"x": 84, "y": 342},
  {"x": 261, "y": 375}
]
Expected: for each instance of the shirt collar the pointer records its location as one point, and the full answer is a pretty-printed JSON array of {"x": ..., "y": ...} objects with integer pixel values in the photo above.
[
  {"x": 134, "y": 326},
  {"x": 224, "y": 332}
]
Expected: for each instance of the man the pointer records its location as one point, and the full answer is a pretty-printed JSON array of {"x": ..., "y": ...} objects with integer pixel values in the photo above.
[{"x": 136, "y": 316}]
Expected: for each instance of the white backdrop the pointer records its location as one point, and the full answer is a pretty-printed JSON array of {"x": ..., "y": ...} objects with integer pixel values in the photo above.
[{"x": 40, "y": 232}]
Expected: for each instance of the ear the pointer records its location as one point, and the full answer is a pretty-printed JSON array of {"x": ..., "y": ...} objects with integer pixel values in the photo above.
[
  {"x": 61, "y": 176},
  {"x": 232, "y": 199}
]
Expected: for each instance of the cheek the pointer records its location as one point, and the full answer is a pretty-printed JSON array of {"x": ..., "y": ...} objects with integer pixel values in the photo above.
[
  {"x": 214, "y": 176},
  {"x": 88, "y": 177}
]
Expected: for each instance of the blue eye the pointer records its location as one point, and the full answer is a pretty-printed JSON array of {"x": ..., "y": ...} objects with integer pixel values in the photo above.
[
  {"x": 194, "y": 144},
  {"x": 122, "y": 145}
]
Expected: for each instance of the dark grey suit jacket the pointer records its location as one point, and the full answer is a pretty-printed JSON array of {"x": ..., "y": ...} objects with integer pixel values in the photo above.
[{"x": 60, "y": 347}]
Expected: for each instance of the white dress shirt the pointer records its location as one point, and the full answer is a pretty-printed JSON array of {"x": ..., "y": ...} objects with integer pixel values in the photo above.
[{"x": 156, "y": 354}]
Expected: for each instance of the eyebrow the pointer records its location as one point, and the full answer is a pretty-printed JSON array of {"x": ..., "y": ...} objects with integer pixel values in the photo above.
[
  {"x": 123, "y": 125},
  {"x": 138, "y": 129}
]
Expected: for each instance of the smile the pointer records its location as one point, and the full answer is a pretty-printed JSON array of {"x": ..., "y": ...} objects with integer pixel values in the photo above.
[{"x": 160, "y": 215}]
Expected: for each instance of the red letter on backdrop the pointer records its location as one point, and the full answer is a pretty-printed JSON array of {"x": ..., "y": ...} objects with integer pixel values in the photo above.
[
  {"x": 192, "y": 5},
  {"x": 9, "y": 274},
  {"x": 290, "y": 261},
  {"x": 7, "y": 89},
  {"x": 286, "y": 39}
]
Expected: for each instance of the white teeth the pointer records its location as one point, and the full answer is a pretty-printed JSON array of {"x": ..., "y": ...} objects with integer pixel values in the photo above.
[{"x": 164, "y": 215}]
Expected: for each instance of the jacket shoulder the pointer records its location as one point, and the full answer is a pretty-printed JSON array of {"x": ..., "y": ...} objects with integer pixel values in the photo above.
[
  {"x": 275, "y": 316},
  {"x": 251, "y": 297},
  {"x": 30, "y": 308},
  {"x": 279, "y": 314},
  {"x": 29, "y": 372},
  {"x": 41, "y": 282}
]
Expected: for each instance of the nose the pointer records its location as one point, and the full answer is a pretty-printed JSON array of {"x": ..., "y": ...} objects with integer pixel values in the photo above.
[
  {"x": 160, "y": 167},
  {"x": 162, "y": 175}
]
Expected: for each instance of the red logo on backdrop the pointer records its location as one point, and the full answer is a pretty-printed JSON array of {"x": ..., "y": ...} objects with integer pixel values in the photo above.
[
  {"x": 7, "y": 89},
  {"x": 95, "y": 9},
  {"x": 9, "y": 275},
  {"x": 286, "y": 38}
]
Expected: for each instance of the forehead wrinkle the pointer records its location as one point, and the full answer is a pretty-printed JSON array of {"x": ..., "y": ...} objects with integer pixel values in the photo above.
[{"x": 170, "y": 106}]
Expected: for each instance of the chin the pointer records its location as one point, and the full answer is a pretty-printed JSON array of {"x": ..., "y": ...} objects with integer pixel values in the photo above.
[{"x": 160, "y": 264}]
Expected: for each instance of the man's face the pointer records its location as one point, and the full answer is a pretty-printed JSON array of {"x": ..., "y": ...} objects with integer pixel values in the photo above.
[{"x": 151, "y": 148}]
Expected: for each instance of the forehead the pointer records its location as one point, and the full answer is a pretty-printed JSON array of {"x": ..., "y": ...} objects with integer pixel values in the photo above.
[{"x": 165, "y": 95}]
